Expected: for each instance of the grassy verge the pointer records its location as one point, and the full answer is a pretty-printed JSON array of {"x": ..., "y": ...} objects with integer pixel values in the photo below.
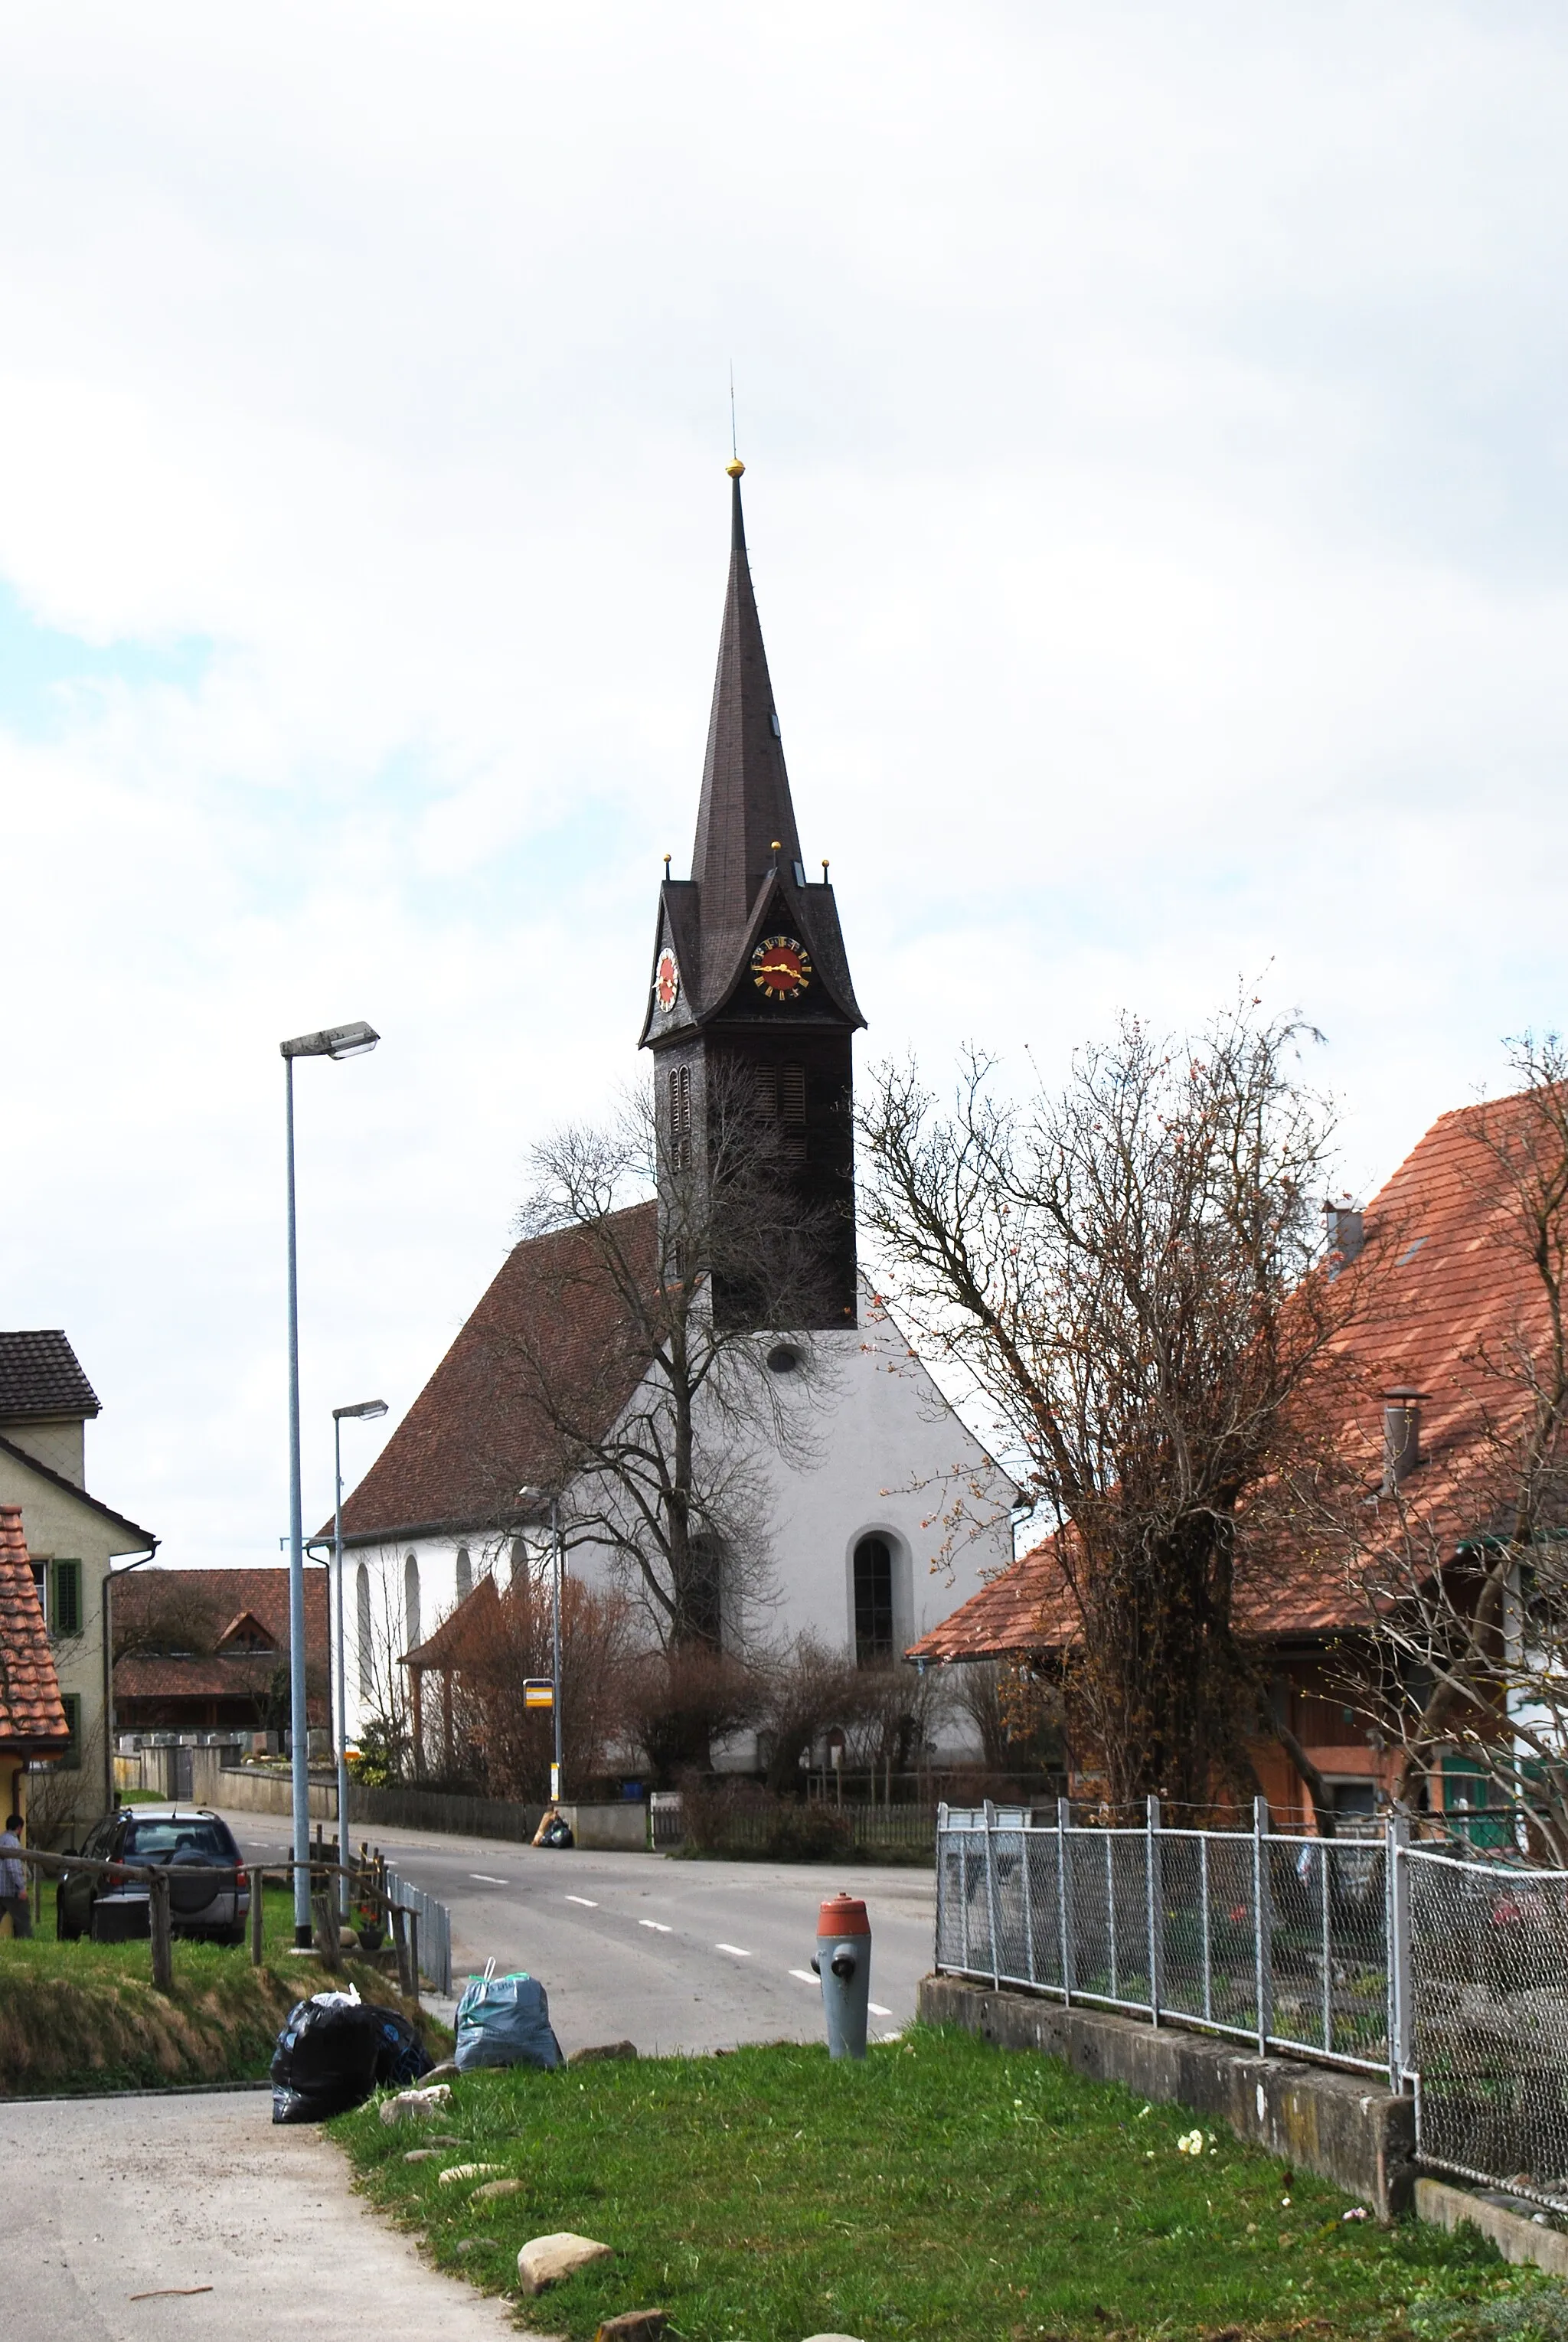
[
  {"x": 84, "y": 2017},
  {"x": 942, "y": 2190}
]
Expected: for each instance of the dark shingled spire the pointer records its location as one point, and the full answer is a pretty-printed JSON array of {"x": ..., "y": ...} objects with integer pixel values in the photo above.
[{"x": 745, "y": 802}]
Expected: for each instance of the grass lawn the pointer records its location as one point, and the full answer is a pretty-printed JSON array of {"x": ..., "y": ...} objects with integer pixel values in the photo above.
[
  {"x": 84, "y": 2015},
  {"x": 942, "y": 2190}
]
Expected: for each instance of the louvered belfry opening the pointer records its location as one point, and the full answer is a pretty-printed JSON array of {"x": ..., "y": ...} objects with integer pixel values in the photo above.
[{"x": 750, "y": 983}]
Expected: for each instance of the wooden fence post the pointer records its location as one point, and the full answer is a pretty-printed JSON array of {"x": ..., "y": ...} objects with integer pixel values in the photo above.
[
  {"x": 258, "y": 1915},
  {"x": 161, "y": 1932}
]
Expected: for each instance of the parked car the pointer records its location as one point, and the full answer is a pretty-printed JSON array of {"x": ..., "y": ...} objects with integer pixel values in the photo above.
[{"x": 188, "y": 1839}]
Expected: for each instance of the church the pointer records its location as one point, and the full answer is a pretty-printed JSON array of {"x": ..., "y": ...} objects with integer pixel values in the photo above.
[{"x": 750, "y": 992}]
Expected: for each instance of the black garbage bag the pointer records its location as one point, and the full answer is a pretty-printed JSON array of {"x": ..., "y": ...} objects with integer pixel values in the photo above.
[
  {"x": 400, "y": 2054},
  {"x": 327, "y": 2057},
  {"x": 555, "y": 1831}
]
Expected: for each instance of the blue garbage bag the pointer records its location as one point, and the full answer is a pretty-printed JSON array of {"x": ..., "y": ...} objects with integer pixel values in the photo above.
[{"x": 505, "y": 2021}]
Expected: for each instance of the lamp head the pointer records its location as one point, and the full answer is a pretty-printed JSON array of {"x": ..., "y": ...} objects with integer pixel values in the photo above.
[
  {"x": 355, "y": 1040},
  {"x": 365, "y": 1412}
]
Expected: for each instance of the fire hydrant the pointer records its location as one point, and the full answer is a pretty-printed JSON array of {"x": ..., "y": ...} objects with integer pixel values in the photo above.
[{"x": 843, "y": 1961}]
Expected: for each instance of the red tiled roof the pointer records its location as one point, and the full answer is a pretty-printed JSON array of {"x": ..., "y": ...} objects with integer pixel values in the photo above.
[
  {"x": 476, "y": 1433},
  {"x": 471, "y": 1634},
  {"x": 220, "y": 1597},
  {"x": 1448, "y": 1287},
  {"x": 32, "y": 1717}
]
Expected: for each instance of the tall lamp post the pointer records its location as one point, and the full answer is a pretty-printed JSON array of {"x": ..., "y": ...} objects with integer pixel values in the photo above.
[
  {"x": 335, "y": 1041},
  {"x": 366, "y": 1411}
]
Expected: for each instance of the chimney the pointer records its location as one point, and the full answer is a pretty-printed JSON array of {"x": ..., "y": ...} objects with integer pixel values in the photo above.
[
  {"x": 1401, "y": 1437},
  {"x": 1345, "y": 1233}
]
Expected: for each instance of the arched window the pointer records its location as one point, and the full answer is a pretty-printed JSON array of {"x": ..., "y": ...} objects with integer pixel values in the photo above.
[
  {"x": 366, "y": 1634},
  {"x": 465, "y": 1574},
  {"x": 705, "y": 1592},
  {"x": 520, "y": 1563},
  {"x": 411, "y": 1601},
  {"x": 874, "y": 1634},
  {"x": 681, "y": 1119}
]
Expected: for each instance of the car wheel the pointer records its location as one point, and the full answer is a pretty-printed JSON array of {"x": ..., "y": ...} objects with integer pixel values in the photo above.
[
  {"x": 230, "y": 1936},
  {"x": 64, "y": 1932}
]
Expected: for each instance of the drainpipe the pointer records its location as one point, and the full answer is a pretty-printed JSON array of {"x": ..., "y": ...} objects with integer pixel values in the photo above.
[{"x": 107, "y": 1608}]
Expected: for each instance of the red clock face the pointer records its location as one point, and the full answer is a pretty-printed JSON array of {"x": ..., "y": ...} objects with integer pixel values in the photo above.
[
  {"x": 779, "y": 968},
  {"x": 666, "y": 981}
]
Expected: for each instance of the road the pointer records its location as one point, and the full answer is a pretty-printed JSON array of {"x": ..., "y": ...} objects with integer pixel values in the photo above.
[
  {"x": 234, "y": 2230},
  {"x": 671, "y": 1955}
]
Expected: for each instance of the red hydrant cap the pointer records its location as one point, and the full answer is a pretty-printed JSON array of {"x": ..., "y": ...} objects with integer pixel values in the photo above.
[{"x": 843, "y": 1915}]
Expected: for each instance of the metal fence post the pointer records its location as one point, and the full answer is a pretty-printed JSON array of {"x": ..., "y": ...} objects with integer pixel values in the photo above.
[
  {"x": 1208, "y": 1948},
  {"x": 991, "y": 1890},
  {"x": 1023, "y": 1837},
  {"x": 1327, "y": 1900},
  {"x": 941, "y": 1883},
  {"x": 1063, "y": 1824},
  {"x": 1396, "y": 1890},
  {"x": 1262, "y": 1931},
  {"x": 1154, "y": 1900}
]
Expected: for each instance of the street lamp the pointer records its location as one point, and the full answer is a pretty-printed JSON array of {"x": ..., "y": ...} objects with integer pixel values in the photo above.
[
  {"x": 335, "y": 1041},
  {"x": 366, "y": 1411},
  {"x": 536, "y": 1497}
]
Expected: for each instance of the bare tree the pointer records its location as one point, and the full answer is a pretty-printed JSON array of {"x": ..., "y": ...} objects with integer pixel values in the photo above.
[
  {"x": 1119, "y": 1276},
  {"x": 664, "y": 1413},
  {"x": 1463, "y": 1567},
  {"x": 501, "y": 1741}
]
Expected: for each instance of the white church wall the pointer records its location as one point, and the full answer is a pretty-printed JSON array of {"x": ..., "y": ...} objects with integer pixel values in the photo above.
[{"x": 377, "y": 1606}]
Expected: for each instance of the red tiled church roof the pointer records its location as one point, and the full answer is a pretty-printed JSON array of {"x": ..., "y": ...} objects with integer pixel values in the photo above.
[
  {"x": 1452, "y": 1285},
  {"x": 32, "y": 1717},
  {"x": 477, "y": 1433}
]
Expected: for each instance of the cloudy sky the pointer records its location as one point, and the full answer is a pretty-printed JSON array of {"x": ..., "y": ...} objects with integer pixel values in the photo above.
[{"x": 1158, "y": 462}]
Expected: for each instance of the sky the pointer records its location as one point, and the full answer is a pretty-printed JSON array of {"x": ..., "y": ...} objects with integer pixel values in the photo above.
[{"x": 1157, "y": 472}]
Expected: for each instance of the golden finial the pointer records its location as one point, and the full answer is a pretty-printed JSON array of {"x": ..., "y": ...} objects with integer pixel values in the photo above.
[
  {"x": 735, "y": 468},
  {"x": 776, "y": 845}
]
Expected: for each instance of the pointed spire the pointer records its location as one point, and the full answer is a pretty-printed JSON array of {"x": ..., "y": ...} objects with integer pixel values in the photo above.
[{"x": 745, "y": 802}]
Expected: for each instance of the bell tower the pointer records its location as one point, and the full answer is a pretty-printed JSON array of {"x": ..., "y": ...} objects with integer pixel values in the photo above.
[{"x": 750, "y": 972}]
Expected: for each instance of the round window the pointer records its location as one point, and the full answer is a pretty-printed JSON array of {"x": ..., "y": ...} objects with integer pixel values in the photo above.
[{"x": 783, "y": 1358}]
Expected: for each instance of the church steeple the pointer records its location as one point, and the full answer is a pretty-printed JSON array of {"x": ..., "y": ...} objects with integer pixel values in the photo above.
[{"x": 749, "y": 964}]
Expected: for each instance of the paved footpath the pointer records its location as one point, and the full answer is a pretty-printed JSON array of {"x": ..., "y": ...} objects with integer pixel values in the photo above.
[{"x": 106, "y": 2199}]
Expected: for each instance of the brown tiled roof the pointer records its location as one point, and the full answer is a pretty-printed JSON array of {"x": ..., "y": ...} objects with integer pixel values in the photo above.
[
  {"x": 32, "y": 1718},
  {"x": 477, "y": 1433},
  {"x": 224, "y": 1596},
  {"x": 1449, "y": 1287},
  {"x": 39, "y": 1376},
  {"x": 471, "y": 1634}
]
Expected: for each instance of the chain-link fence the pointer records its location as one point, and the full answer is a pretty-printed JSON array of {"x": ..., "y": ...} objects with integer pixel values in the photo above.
[
  {"x": 1488, "y": 2046},
  {"x": 1448, "y": 1976}
]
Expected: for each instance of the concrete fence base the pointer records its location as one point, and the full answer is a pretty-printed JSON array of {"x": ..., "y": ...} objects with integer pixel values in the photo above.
[
  {"x": 1345, "y": 2127},
  {"x": 621, "y": 1827}
]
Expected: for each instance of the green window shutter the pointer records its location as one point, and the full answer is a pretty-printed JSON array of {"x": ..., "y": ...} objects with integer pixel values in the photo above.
[
  {"x": 65, "y": 1610},
  {"x": 71, "y": 1762}
]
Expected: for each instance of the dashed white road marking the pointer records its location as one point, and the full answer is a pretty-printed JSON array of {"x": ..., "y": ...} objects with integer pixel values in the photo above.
[
  {"x": 877, "y": 2009},
  {"x": 485, "y": 1879},
  {"x": 583, "y": 1899},
  {"x": 657, "y": 1925},
  {"x": 733, "y": 1949},
  {"x": 806, "y": 1976}
]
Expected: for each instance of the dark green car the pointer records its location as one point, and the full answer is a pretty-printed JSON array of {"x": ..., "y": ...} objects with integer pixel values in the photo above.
[{"x": 191, "y": 1842}]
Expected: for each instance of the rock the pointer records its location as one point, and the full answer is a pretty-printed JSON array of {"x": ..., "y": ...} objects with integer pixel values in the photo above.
[
  {"x": 596, "y": 2055},
  {"x": 634, "y": 2325},
  {"x": 423, "y": 2155},
  {"x": 494, "y": 2187},
  {"x": 545, "y": 2261},
  {"x": 414, "y": 2106},
  {"x": 833, "y": 2337},
  {"x": 456, "y": 2171},
  {"x": 447, "y": 2066}
]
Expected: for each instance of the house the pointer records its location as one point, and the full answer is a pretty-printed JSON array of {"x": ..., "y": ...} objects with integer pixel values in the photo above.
[
  {"x": 73, "y": 1540},
  {"x": 1449, "y": 1294},
  {"x": 749, "y": 983},
  {"x": 35, "y": 1730},
  {"x": 206, "y": 1650}
]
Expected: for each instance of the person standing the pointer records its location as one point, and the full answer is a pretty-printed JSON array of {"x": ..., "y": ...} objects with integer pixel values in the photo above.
[{"x": 13, "y": 1878}]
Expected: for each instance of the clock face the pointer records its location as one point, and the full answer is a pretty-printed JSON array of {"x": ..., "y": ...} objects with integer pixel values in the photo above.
[
  {"x": 779, "y": 968},
  {"x": 666, "y": 981}
]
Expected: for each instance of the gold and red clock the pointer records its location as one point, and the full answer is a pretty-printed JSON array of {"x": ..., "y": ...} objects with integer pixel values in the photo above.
[
  {"x": 666, "y": 980},
  {"x": 781, "y": 967}
]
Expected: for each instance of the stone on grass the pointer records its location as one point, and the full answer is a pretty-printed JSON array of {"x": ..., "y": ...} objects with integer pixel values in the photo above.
[
  {"x": 634, "y": 2325},
  {"x": 417, "y": 2106},
  {"x": 494, "y": 2187},
  {"x": 456, "y": 2171},
  {"x": 601, "y": 2051},
  {"x": 423, "y": 2155},
  {"x": 426, "y": 2080},
  {"x": 544, "y": 2260},
  {"x": 833, "y": 2337}
]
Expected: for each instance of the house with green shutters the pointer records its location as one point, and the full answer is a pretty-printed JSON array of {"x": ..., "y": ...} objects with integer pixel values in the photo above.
[{"x": 75, "y": 1544}]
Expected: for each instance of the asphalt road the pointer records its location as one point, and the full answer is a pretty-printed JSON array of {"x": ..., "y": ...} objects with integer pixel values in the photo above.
[
  {"x": 670, "y": 1954},
  {"x": 149, "y": 2219}
]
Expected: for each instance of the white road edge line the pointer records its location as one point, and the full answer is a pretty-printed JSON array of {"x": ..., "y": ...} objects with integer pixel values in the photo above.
[
  {"x": 657, "y": 1925},
  {"x": 806, "y": 1976},
  {"x": 877, "y": 2009},
  {"x": 733, "y": 1949},
  {"x": 485, "y": 1879},
  {"x": 583, "y": 1901}
]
